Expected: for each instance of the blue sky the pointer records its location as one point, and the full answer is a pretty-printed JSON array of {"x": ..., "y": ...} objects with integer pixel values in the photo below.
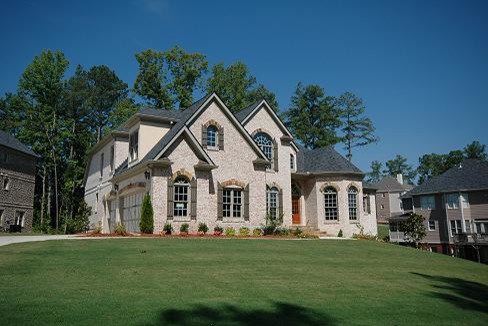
[{"x": 420, "y": 66}]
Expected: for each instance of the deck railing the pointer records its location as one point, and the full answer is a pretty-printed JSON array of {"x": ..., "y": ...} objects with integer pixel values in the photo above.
[{"x": 471, "y": 238}]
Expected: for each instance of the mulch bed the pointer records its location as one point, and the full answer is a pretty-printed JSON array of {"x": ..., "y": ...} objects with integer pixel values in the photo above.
[{"x": 207, "y": 236}]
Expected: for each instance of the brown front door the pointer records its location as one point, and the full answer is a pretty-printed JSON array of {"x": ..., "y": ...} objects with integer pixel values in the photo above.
[{"x": 295, "y": 210}]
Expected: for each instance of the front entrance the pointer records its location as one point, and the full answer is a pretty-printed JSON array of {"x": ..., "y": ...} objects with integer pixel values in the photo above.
[{"x": 295, "y": 210}]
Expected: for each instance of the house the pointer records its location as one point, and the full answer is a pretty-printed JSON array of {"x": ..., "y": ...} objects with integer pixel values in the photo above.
[
  {"x": 388, "y": 192},
  {"x": 205, "y": 164},
  {"x": 17, "y": 183},
  {"x": 455, "y": 207}
]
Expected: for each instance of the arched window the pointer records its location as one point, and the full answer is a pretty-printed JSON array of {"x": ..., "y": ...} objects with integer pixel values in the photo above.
[
  {"x": 212, "y": 136},
  {"x": 330, "y": 204},
  {"x": 265, "y": 143},
  {"x": 181, "y": 197},
  {"x": 352, "y": 200},
  {"x": 272, "y": 202}
]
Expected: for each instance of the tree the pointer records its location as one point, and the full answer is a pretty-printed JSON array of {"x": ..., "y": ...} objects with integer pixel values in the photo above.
[
  {"x": 475, "y": 150},
  {"x": 187, "y": 70},
  {"x": 151, "y": 79},
  {"x": 375, "y": 175},
  {"x": 399, "y": 165},
  {"x": 105, "y": 90},
  {"x": 147, "y": 215},
  {"x": 357, "y": 130},
  {"x": 43, "y": 127},
  {"x": 237, "y": 87},
  {"x": 312, "y": 117},
  {"x": 431, "y": 165},
  {"x": 121, "y": 113},
  {"x": 414, "y": 228}
]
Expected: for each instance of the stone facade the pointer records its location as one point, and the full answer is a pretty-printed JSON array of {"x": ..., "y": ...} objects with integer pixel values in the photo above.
[
  {"x": 17, "y": 183},
  {"x": 237, "y": 165}
]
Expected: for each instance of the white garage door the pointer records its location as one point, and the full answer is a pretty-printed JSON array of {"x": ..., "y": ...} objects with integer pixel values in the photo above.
[{"x": 131, "y": 212}]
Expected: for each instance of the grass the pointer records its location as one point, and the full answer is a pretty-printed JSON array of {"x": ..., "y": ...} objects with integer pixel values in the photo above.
[{"x": 237, "y": 282}]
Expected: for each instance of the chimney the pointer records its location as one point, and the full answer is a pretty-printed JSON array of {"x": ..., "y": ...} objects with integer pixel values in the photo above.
[{"x": 400, "y": 178}]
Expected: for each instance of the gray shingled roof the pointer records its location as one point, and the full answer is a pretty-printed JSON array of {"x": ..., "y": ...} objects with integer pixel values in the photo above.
[
  {"x": 391, "y": 184},
  {"x": 469, "y": 175},
  {"x": 242, "y": 114},
  {"x": 325, "y": 159},
  {"x": 170, "y": 114},
  {"x": 13, "y": 143},
  {"x": 183, "y": 117}
]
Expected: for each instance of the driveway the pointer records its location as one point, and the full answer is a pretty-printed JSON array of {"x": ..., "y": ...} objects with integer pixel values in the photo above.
[{"x": 6, "y": 240}]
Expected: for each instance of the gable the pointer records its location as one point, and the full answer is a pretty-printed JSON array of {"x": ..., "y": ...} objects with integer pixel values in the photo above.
[{"x": 264, "y": 111}]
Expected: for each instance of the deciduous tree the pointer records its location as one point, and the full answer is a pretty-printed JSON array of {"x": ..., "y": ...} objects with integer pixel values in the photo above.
[{"x": 399, "y": 165}]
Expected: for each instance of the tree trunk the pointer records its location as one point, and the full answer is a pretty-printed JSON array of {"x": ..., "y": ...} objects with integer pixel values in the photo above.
[{"x": 43, "y": 198}]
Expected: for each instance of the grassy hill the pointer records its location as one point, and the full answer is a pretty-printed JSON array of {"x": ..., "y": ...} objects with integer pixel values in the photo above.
[{"x": 237, "y": 282}]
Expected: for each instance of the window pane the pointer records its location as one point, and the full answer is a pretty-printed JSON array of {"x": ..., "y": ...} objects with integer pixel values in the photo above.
[
  {"x": 265, "y": 143},
  {"x": 330, "y": 204},
  {"x": 212, "y": 136}
]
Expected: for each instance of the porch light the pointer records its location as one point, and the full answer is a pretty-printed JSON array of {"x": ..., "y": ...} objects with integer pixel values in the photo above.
[{"x": 147, "y": 175}]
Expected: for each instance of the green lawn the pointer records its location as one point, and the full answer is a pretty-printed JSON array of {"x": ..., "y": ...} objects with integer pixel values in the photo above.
[{"x": 239, "y": 282}]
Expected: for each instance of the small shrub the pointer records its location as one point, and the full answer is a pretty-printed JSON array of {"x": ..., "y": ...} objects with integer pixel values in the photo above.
[
  {"x": 257, "y": 232},
  {"x": 168, "y": 228},
  {"x": 230, "y": 232},
  {"x": 272, "y": 223},
  {"x": 120, "y": 229},
  {"x": 218, "y": 230},
  {"x": 297, "y": 232},
  {"x": 146, "y": 224},
  {"x": 202, "y": 227},
  {"x": 244, "y": 231},
  {"x": 281, "y": 231},
  {"x": 184, "y": 228},
  {"x": 340, "y": 235}
]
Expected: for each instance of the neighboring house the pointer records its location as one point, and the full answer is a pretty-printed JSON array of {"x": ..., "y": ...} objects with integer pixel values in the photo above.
[
  {"x": 455, "y": 207},
  {"x": 205, "y": 164},
  {"x": 17, "y": 182},
  {"x": 388, "y": 192}
]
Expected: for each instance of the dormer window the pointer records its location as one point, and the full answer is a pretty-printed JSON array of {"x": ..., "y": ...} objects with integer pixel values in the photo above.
[
  {"x": 134, "y": 146},
  {"x": 212, "y": 136}
]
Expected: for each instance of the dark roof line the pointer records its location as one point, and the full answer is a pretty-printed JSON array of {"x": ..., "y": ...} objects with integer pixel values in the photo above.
[
  {"x": 11, "y": 142},
  {"x": 471, "y": 174},
  {"x": 324, "y": 159}
]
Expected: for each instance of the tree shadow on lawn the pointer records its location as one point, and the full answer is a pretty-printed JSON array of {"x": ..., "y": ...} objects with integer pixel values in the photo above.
[
  {"x": 282, "y": 314},
  {"x": 467, "y": 295}
]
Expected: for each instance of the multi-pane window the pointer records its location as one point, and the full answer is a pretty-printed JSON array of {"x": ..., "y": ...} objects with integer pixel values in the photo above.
[
  {"x": 180, "y": 202},
  {"x": 464, "y": 200},
  {"x": 212, "y": 136},
  {"x": 352, "y": 200},
  {"x": 431, "y": 225},
  {"x": 481, "y": 227},
  {"x": 330, "y": 203},
  {"x": 232, "y": 202},
  {"x": 367, "y": 204},
  {"x": 292, "y": 162},
  {"x": 467, "y": 224},
  {"x": 6, "y": 183},
  {"x": 452, "y": 201},
  {"x": 1, "y": 219},
  {"x": 265, "y": 143},
  {"x": 101, "y": 164},
  {"x": 427, "y": 202},
  {"x": 272, "y": 202},
  {"x": 19, "y": 218},
  {"x": 456, "y": 227},
  {"x": 112, "y": 158},
  {"x": 134, "y": 146}
]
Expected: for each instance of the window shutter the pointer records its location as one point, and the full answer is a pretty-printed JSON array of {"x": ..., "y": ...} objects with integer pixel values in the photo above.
[
  {"x": 221, "y": 138},
  {"x": 280, "y": 202},
  {"x": 204, "y": 136},
  {"x": 246, "y": 203},
  {"x": 170, "y": 198},
  {"x": 275, "y": 155},
  {"x": 193, "y": 195},
  {"x": 220, "y": 194}
]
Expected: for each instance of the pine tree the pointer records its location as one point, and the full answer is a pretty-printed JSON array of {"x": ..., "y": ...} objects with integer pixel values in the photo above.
[{"x": 147, "y": 215}]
